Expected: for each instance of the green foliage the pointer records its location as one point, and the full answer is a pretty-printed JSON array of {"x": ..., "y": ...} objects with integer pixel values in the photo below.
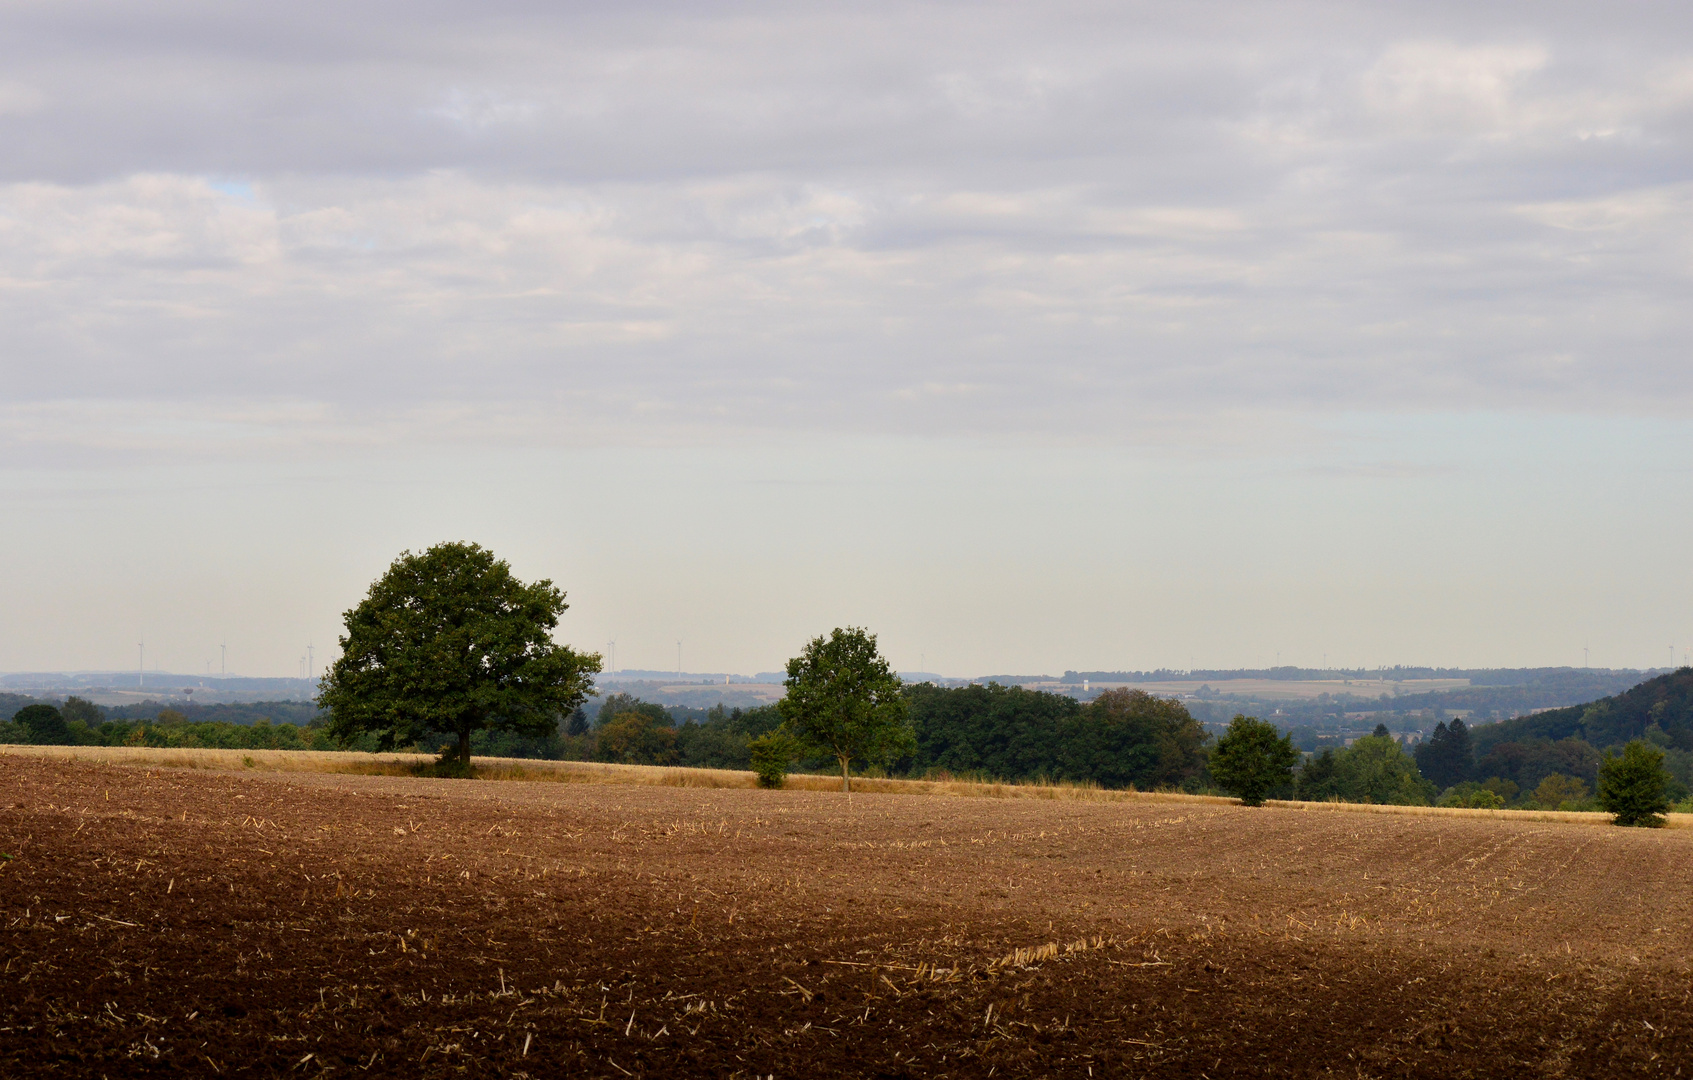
[
  {"x": 1473, "y": 796},
  {"x": 42, "y": 725},
  {"x": 1445, "y": 757},
  {"x": 1252, "y": 759},
  {"x": 845, "y": 700},
  {"x": 618, "y": 704},
  {"x": 1377, "y": 769},
  {"x": 1529, "y": 762},
  {"x": 1123, "y": 737},
  {"x": 1666, "y": 701},
  {"x": 77, "y": 710},
  {"x": 636, "y": 738},
  {"x": 577, "y": 725},
  {"x": 1374, "y": 769},
  {"x": 1128, "y": 737},
  {"x": 298, "y": 713},
  {"x": 1559, "y": 792},
  {"x": 723, "y": 739},
  {"x": 772, "y": 755},
  {"x": 448, "y": 640},
  {"x": 1633, "y": 785},
  {"x": 1505, "y": 789},
  {"x": 1316, "y": 781},
  {"x": 990, "y": 730}
]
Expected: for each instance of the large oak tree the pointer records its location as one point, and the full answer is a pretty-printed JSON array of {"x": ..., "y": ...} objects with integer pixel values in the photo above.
[{"x": 449, "y": 640}]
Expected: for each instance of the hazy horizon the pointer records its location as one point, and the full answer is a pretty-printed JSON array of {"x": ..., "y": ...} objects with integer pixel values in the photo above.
[{"x": 1109, "y": 337}]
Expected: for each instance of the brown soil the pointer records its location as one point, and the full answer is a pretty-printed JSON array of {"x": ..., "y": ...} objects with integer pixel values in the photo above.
[{"x": 220, "y": 924}]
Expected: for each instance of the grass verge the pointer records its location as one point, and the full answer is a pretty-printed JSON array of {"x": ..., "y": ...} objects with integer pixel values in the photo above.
[{"x": 597, "y": 772}]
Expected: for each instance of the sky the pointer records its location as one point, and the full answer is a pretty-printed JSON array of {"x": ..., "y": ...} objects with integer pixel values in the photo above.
[{"x": 1029, "y": 337}]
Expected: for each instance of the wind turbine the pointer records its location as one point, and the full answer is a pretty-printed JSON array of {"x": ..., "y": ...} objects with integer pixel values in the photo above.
[{"x": 140, "y": 664}]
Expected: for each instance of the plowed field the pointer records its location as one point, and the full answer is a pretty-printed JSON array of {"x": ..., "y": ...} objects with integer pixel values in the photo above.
[{"x": 175, "y": 921}]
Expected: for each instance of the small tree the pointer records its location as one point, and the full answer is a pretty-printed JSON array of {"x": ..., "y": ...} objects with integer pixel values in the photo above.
[
  {"x": 772, "y": 755},
  {"x": 846, "y": 701},
  {"x": 1253, "y": 759},
  {"x": 577, "y": 725},
  {"x": 449, "y": 640},
  {"x": 1633, "y": 785}
]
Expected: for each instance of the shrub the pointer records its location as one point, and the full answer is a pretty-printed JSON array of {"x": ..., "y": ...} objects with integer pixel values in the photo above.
[
  {"x": 772, "y": 754},
  {"x": 1633, "y": 785},
  {"x": 1472, "y": 795}
]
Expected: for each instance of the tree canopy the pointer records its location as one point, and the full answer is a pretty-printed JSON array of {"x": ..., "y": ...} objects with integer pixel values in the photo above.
[
  {"x": 448, "y": 640},
  {"x": 1129, "y": 737},
  {"x": 1665, "y": 702},
  {"x": 1373, "y": 769},
  {"x": 1445, "y": 756},
  {"x": 1633, "y": 785},
  {"x": 43, "y": 724},
  {"x": 1253, "y": 759},
  {"x": 845, "y": 700}
]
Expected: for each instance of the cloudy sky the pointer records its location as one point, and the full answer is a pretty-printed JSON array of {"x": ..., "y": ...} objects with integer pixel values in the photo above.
[{"x": 1031, "y": 337}]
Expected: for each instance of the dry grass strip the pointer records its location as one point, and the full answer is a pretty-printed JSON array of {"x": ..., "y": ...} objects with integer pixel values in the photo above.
[{"x": 599, "y": 772}]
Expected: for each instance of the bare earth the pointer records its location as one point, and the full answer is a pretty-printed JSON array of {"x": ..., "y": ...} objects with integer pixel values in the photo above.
[{"x": 175, "y": 921}]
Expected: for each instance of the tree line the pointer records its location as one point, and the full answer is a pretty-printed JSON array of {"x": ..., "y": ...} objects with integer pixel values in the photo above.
[{"x": 78, "y": 722}]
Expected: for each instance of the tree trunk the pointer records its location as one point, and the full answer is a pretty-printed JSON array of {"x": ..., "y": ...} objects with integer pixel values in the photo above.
[
  {"x": 464, "y": 746},
  {"x": 846, "y": 777}
]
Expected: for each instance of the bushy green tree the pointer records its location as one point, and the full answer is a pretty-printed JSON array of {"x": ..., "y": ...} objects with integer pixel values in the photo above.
[
  {"x": 1374, "y": 769},
  {"x": 1316, "y": 781},
  {"x": 577, "y": 725},
  {"x": 43, "y": 725},
  {"x": 1253, "y": 759},
  {"x": 1556, "y": 790},
  {"x": 635, "y": 738},
  {"x": 449, "y": 640},
  {"x": 772, "y": 755},
  {"x": 845, "y": 700},
  {"x": 1126, "y": 737},
  {"x": 1472, "y": 795},
  {"x": 1445, "y": 757},
  {"x": 1377, "y": 769},
  {"x": 75, "y": 709},
  {"x": 1633, "y": 785},
  {"x": 991, "y": 730},
  {"x": 617, "y": 704},
  {"x": 1529, "y": 761}
]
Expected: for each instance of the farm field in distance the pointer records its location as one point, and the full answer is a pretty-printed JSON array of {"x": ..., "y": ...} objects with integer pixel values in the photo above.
[
  {"x": 263, "y": 924},
  {"x": 1296, "y": 690}
]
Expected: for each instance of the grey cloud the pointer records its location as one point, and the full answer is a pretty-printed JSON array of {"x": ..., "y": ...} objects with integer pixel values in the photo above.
[{"x": 975, "y": 219}]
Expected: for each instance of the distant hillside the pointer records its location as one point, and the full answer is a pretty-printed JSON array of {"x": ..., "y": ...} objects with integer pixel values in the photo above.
[
  {"x": 1550, "y": 678},
  {"x": 1515, "y": 692},
  {"x": 299, "y": 713},
  {"x": 1666, "y": 701},
  {"x": 11, "y": 703}
]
